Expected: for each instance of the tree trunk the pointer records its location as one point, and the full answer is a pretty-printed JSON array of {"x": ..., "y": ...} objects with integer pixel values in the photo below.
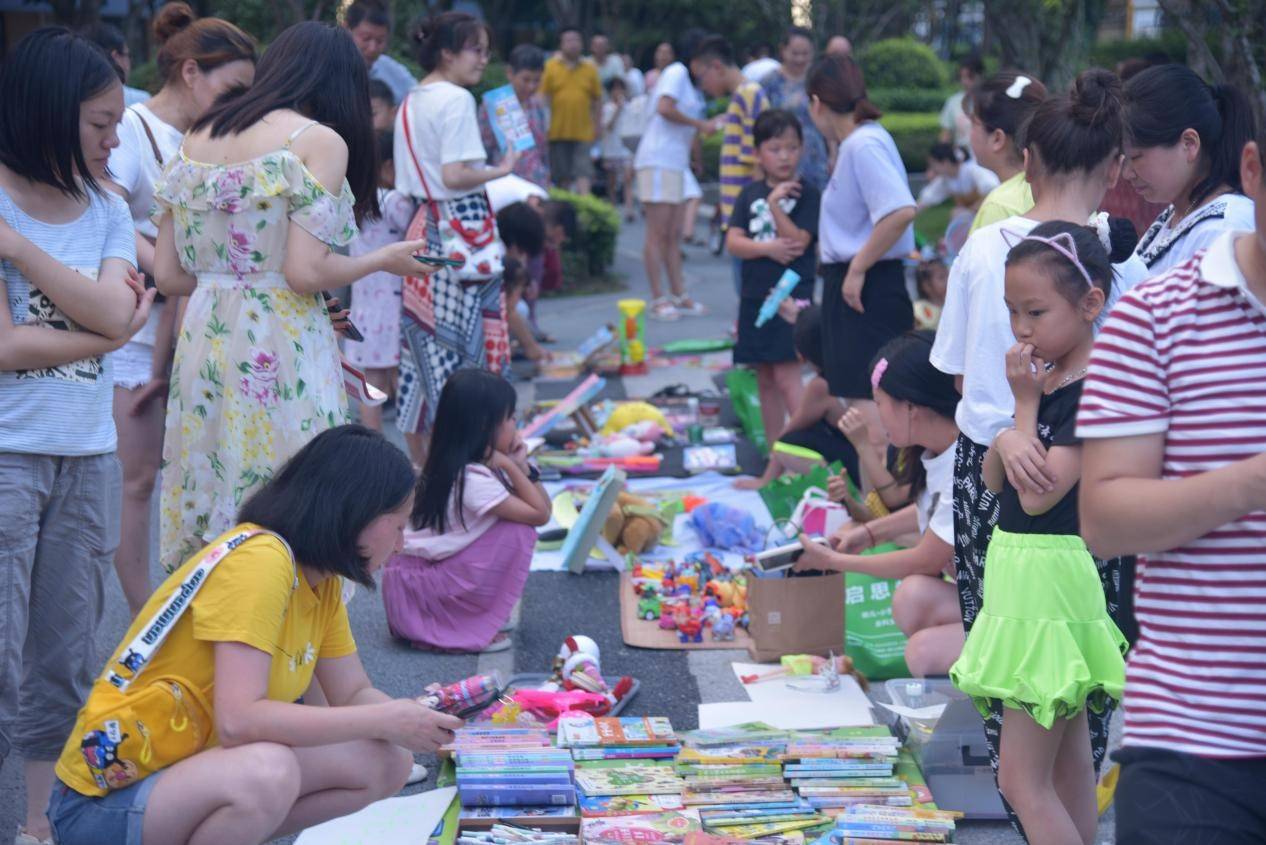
[
  {"x": 1236, "y": 63},
  {"x": 1050, "y": 38}
]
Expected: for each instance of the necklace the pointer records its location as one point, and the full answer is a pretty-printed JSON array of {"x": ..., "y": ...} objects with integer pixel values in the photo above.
[{"x": 1071, "y": 377}]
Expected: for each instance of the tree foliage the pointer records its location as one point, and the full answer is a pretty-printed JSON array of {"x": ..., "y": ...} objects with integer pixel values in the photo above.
[
  {"x": 1049, "y": 38},
  {"x": 1226, "y": 42}
]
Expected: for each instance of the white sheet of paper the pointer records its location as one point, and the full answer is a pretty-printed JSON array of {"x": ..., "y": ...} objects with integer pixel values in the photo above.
[
  {"x": 849, "y": 698},
  {"x": 407, "y": 820},
  {"x": 800, "y": 715}
]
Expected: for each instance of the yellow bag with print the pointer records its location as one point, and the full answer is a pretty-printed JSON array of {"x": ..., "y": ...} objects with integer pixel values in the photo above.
[{"x": 118, "y": 746}]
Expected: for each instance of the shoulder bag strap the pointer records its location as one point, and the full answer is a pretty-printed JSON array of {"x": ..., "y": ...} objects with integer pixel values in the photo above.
[
  {"x": 476, "y": 238},
  {"x": 133, "y": 657},
  {"x": 149, "y": 133}
]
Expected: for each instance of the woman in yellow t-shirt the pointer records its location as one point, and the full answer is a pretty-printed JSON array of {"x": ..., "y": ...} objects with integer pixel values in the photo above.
[
  {"x": 998, "y": 108},
  {"x": 194, "y": 731}
]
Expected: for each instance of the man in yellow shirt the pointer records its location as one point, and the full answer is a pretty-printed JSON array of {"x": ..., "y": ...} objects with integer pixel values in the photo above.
[{"x": 571, "y": 86}]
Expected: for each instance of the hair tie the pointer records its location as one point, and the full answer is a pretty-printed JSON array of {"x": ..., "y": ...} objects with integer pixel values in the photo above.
[
  {"x": 1017, "y": 87},
  {"x": 881, "y": 367},
  {"x": 1099, "y": 222}
]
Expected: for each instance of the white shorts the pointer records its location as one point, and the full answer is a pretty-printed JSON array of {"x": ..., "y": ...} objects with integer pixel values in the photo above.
[
  {"x": 134, "y": 362},
  {"x": 654, "y": 184}
]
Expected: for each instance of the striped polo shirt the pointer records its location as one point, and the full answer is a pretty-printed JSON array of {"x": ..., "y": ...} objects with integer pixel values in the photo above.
[
  {"x": 738, "y": 149},
  {"x": 1184, "y": 355}
]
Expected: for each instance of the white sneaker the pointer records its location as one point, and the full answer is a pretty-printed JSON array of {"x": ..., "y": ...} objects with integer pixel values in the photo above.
[
  {"x": 416, "y": 775},
  {"x": 24, "y": 838}
]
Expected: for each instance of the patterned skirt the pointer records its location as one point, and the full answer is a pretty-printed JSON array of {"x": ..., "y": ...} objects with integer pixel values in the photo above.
[{"x": 447, "y": 324}]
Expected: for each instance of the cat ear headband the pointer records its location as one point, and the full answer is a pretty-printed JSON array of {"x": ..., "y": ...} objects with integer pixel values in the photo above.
[{"x": 1062, "y": 243}]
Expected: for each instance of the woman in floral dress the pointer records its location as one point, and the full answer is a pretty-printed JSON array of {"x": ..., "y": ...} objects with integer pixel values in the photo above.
[{"x": 246, "y": 225}]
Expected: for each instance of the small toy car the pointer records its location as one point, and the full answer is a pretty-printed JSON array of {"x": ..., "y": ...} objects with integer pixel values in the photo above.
[{"x": 649, "y": 607}]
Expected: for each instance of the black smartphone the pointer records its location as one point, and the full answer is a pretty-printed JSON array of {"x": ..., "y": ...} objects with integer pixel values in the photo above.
[{"x": 351, "y": 331}]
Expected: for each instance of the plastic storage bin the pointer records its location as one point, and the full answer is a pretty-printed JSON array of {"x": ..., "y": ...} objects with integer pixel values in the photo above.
[{"x": 951, "y": 749}]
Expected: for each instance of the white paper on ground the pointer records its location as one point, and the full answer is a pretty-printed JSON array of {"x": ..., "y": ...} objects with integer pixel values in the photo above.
[
  {"x": 849, "y": 700},
  {"x": 799, "y": 715},
  {"x": 406, "y": 820}
]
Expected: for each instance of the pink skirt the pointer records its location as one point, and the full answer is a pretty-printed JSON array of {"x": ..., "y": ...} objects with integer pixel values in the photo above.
[{"x": 461, "y": 602}]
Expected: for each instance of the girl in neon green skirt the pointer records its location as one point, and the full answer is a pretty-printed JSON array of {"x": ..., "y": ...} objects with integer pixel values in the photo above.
[{"x": 1044, "y": 645}]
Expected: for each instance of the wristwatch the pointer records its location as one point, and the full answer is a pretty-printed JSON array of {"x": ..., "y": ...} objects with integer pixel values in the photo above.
[{"x": 534, "y": 473}]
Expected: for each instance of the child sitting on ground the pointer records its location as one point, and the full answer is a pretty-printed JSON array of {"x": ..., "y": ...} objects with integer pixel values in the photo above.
[
  {"x": 772, "y": 230},
  {"x": 811, "y": 439},
  {"x": 931, "y": 278},
  {"x": 916, "y": 404},
  {"x": 477, "y": 504},
  {"x": 376, "y": 298}
]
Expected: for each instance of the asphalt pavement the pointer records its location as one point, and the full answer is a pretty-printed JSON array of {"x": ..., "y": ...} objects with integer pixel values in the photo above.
[{"x": 555, "y": 605}]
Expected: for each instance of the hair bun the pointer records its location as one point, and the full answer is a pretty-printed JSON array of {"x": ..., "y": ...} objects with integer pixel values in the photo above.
[
  {"x": 171, "y": 19},
  {"x": 1095, "y": 98}
]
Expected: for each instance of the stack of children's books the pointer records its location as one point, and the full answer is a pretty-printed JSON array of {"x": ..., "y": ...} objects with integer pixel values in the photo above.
[
  {"x": 734, "y": 777},
  {"x": 842, "y": 768},
  {"x": 623, "y": 766},
  {"x": 665, "y": 828},
  {"x": 513, "y": 775},
  {"x": 867, "y": 824}
]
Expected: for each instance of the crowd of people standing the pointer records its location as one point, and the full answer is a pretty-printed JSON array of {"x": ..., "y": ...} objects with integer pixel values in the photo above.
[{"x": 1089, "y": 395}]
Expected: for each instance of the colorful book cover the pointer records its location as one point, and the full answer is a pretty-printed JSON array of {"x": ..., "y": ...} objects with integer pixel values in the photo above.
[
  {"x": 723, "y": 821},
  {"x": 727, "y": 769},
  {"x": 731, "y": 754},
  {"x": 526, "y": 816},
  {"x": 586, "y": 731},
  {"x": 835, "y": 806},
  {"x": 669, "y": 827},
  {"x": 759, "y": 829},
  {"x": 628, "y": 752},
  {"x": 509, "y": 778},
  {"x": 754, "y": 796},
  {"x": 744, "y": 783},
  {"x": 622, "y": 762},
  {"x": 754, "y": 732},
  {"x": 485, "y": 795},
  {"x": 631, "y": 780},
  {"x": 794, "y": 837},
  {"x": 508, "y": 119},
  {"x": 492, "y": 760},
  {"x": 603, "y": 806}
]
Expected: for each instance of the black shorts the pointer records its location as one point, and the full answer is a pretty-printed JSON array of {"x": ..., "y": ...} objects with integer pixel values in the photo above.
[
  {"x": 1168, "y": 798},
  {"x": 772, "y": 343},
  {"x": 828, "y": 441},
  {"x": 850, "y": 339}
]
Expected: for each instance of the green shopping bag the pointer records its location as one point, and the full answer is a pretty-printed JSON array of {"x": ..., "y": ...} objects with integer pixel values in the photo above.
[
  {"x": 741, "y": 384},
  {"x": 871, "y": 637},
  {"x": 784, "y": 493}
]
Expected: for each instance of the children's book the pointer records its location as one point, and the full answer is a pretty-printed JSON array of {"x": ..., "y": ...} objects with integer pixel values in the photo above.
[
  {"x": 548, "y": 818},
  {"x": 508, "y": 119},
  {"x": 603, "y": 806},
  {"x": 518, "y": 795},
  {"x": 668, "y": 827},
  {"x": 754, "y": 796},
  {"x": 581, "y": 730},
  {"x": 759, "y": 829},
  {"x": 739, "y": 754},
  {"x": 632, "y": 780},
  {"x": 748, "y": 732}
]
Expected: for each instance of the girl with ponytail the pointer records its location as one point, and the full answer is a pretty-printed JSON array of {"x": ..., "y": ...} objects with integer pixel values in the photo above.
[
  {"x": 999, "y": 107},
  {"x": 915, "y": 404},
  {"x": 1182, "y": 148},
  {"x": 1072, "y": 146}
]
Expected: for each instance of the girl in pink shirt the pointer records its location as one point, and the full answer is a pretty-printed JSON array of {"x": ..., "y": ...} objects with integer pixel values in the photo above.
[{"x": 478, "y": 502}]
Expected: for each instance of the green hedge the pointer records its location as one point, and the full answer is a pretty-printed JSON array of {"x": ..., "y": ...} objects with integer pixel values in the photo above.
[
  {"x": 1107, "y": 54},
  {"x": 915, "y": 133},
  {"x": 909, "y": 99},
  {"x": 592, "y": 251},
  {"x": 902, "y": 63}
]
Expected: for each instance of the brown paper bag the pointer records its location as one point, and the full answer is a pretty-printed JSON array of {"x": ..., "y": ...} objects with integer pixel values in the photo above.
[{"x": 795, "y": 616}]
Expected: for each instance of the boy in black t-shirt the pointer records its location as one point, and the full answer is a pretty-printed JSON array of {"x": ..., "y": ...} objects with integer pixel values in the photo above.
[{"x": 773, "y": 229}]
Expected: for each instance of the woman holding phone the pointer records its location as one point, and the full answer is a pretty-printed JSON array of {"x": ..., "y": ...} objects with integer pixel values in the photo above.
[
  {"x": 262, "y": 187},
  {"x": 193, "y": 732}
]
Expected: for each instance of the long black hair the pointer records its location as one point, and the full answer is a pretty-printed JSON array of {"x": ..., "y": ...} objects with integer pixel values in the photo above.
[
  {"x": 1163, "y": 101},
  {"x": 315, "y": 69},
  {"x": 328, "y": 493},
  {"x": 473, "y": 404},
  {"x": 908, "y": 376},
  {"x": 43, "y": 81}
]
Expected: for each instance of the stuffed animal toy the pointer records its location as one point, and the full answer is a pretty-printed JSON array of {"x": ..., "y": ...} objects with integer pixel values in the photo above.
[{"x": 633, "y": 525}]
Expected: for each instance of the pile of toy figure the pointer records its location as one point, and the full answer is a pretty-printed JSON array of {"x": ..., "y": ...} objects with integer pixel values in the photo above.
[{"x": 688, "y": 596}]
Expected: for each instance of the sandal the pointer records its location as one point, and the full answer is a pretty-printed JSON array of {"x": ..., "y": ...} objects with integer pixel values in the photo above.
[
  {"x": 687, "y": 306},
  {"x": 501, "y": 642},
  {"x": 24, "y": 838},
  {"x": 663, "y": 309}
]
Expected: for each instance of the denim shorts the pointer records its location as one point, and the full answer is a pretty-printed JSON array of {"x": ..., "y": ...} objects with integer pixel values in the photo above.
[{"x": 112, "y": 819}]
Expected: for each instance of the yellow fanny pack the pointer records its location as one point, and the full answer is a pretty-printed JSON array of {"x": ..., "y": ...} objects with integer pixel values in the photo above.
[{"x": 166, "y": 719}]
